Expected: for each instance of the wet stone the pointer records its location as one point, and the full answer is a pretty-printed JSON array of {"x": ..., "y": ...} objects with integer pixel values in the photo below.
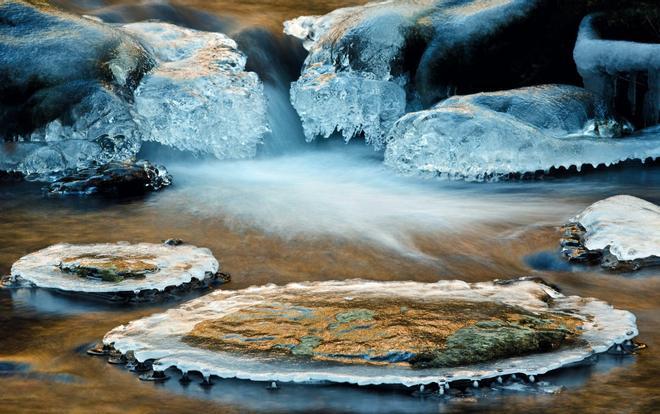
[
  {"x": 382, "y": 330},
  {"x": 113, "y": 179}
]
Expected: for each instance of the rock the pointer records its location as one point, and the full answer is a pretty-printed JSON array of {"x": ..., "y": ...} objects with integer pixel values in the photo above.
[
  {"x": 368, "y": 330},
  {"x": 370, "y": 64},
  {"x": 620, "y": 233},
  {"x": 113, "y": 179},
  {"x": 199, "y": 98},
  {"x": 511, "y": 133},
  {"x": 118, "y": 271},
  {"x": 625, "y": 72},
  {"x": 64, "y": 83},
  {"x": 377, "y": 332}
]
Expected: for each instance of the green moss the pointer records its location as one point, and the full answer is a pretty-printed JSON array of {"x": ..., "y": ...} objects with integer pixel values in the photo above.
[
  {"x": 306, "y": 346},
  {"x": 491, "y": 340}
]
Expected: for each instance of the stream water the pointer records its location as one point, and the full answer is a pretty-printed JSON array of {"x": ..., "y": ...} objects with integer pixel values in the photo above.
[{"x": 299, "y": 212}]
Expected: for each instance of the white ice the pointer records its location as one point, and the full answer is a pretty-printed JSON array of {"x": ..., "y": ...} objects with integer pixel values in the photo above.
[
  {"x": 159, "y": 336},
  {"x": 628, "y": 225},
  {"x": 519, "y": 131},
  {"x": 176, "y": 264},
  {"x": 199, "y": 98}
]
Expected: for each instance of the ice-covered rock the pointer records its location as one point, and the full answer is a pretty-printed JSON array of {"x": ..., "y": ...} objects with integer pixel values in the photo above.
[
  {"x": 625, "y": 73},
  {"x": 130, "y": 271},
  {"x": 199, "y": 97},
  {"x": 113, "y": 179},
  {"x": 64, "y": 83},
  {"x": 365, "y": 332},
  {"x": 364, "y": 60},
  {"x": 620, "y": 232},
  {"x": 514, "y": 132}
]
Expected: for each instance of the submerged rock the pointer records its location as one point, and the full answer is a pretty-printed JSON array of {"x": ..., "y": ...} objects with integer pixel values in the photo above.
[
  {"x": 113, "y": 179},
  {"x": 64, "y": 83},
  {"x": 199, "y": 98},
  {"x": 498, "y": 134},
  {"x": 620, "y": 233},
  {"x": 118, "y": 271},
  {"x": 376, "y": 332}
]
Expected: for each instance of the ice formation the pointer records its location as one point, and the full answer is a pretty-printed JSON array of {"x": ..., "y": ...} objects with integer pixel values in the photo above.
[
  {"x": 83, "y": 268},
  {"x": 161, "y": 337},
  {"x": 520, "y": 131},
  {"x": 622, "y": 232},
  {"x": 355, "y": 78},
  {"x": 64, "y": 82},
  {"x": 77, "y": 93},
  {"x": 617, "y": 67},
  {"x": 199, "y": 98}
]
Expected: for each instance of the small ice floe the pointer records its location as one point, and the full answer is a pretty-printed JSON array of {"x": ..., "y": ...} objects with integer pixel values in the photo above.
[
  {"x": 118, "y": 271},
  {"x": 451, "y": 332},
  {"x": 619, "y": 233},
  {"x": 113, "y": 179}
]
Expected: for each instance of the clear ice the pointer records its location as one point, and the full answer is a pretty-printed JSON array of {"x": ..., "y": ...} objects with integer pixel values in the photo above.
[
  {"x": 525, "y": 130},
  {"x": 199, "y": 98},
  {"x": 159, "y": 336}
]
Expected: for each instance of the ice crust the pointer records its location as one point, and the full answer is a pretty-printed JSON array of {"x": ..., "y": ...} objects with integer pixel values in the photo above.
[
  {"x": 628, "y": 225},
  {"x": 599, "y": 61},
  {"x": 354, "y": 81},
  {"x": 159, "y": 336},
  {"x": 41, "y": 268},
  {"x": 525, "y": 130},
  {"x": 199, "y": 98}
]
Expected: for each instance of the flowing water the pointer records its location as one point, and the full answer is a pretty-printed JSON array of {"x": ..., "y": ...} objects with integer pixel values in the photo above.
[{"x": 325, "y": 211}]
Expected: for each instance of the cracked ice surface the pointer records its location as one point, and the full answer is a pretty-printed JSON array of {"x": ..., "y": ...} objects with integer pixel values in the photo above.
[
  {"x": 160, "y": 336},
  {"x": 176, "y": 265},
  {"x": 354, "y": 81},
  {"x": 525, "y": 130},
  {"x": 628, "y": 225},
  {"x": 199, "y": 98}
]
